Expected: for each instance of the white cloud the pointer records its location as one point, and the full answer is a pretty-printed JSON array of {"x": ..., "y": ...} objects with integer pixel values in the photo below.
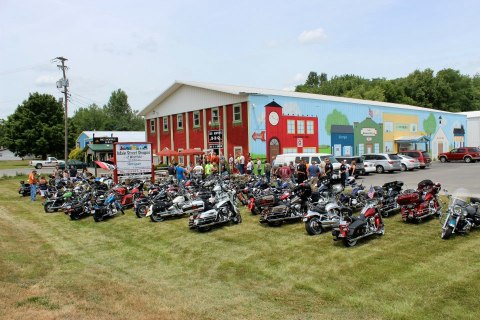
[
  {"x": 312, "y": 36},
  {"x": 47, "y": 80},
  {"x": 299, "y": 77}
]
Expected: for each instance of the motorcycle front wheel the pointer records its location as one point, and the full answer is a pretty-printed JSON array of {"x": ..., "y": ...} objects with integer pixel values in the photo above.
[
  {"x": 48, "y": 207},
  {"x": 156, "y": 218},
  {"x": 141, "y": 211},
  {"x": 447, "y": 232},
  {"x": 313, "y": 227}
]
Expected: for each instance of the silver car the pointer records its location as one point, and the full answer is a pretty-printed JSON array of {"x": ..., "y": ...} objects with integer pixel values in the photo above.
[
  {"x": 409, "y": 163},
  {"x": 384, "y": 161}
]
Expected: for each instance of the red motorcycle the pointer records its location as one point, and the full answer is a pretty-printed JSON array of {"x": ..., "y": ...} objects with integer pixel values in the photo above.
[
  {"x": 421, "y": 203},
  {"x": 127, "y": 196},
  {"x": 367, "y": 224}
]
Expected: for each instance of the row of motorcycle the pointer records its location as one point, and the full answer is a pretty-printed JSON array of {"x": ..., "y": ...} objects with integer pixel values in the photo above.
[
  {"x": 214, "y": 201},
  {"x": 209, "y": 202},
  {"x": 331, "y": 208}
]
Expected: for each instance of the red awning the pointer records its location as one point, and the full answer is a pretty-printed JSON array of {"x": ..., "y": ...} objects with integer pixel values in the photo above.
[{"x": 167, "y": 153}]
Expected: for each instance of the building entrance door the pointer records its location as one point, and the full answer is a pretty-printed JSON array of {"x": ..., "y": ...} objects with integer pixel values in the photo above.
[{"x": 274, "y": 148}]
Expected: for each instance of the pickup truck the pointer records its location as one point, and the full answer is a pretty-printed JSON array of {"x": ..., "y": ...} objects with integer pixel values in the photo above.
[{"x": 50, "y": 162}]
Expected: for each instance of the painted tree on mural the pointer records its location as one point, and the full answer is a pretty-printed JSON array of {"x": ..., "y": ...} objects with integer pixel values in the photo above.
[
  {"x": 430, "y": 124},
  {"x": 336, "y": 117}
]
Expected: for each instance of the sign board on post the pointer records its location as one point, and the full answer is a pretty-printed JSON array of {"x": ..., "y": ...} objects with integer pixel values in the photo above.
[
  {"x": 133, "y": 160},
  {"x": 104, "y": 140}
]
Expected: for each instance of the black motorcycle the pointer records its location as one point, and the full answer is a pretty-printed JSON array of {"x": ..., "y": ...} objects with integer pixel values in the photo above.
[
  {"x": 80, "y": 208},
  {"x": 24, "y": 189},
  {"x": 461, "y": 216},
  {"x": 388, "y": 194}
]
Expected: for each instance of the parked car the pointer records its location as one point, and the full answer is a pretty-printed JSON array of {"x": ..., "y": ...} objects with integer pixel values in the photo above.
[
  {"x": 384, "y": 161},
  {"x": 467, "y": 154},
  {"x": 408, "y": 163},
  {"x": 49, "y": 162},
  {"x": 308, "y": 157},
  {"x": 422, "y": 156},
  {"x": 369, "y": 167},
  {"x": 360, "y": 169},
  {"x": 76, "y": 163}
]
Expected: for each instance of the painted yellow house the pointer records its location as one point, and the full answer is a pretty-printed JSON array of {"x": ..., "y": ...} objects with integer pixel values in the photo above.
[{"x": 399, "y": 127}]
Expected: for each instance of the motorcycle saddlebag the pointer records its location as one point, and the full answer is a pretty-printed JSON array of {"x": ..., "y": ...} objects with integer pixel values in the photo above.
[
  {"x": 408, "y": 198},
  {"x": 355, "y": 225},
  {"x": 315, "y": 196},
  {"x": 159, "y": 206},
  {"x": 265, "y": 201}
]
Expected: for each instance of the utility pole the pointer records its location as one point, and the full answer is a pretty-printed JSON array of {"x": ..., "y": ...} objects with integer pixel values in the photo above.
[{"x": 63, "y": 83}]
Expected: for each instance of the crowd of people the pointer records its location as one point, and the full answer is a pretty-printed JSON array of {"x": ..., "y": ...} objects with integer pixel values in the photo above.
[
  {"x": 211, "y": 164},
  {"x": 40, "y": 181}
]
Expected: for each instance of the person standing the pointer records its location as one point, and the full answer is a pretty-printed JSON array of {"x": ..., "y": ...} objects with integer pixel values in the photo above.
[
  {"x": 249, "y": 167},
  {"x": 241, "y": 164},
  {"x": 343, "y": 172},
  {"x": 43, "y": 187},
  {"x": 313, "y": 170},
  {"x": 259, "y": 167},
  {"x": 230, "y": 163},
  {"x": 268, "y": 170},
  {"x": 301, "y": 171},
  {"x": 181, "y": 172},
  {"x": 353, "y": 167},
  {"x": 208, "y": 168},
  {"x": 292, "y": 170},
  {"x": 32, "y": 180},
  {"x": 328, "y": 168},
  {"x": 285, "y": 172}
]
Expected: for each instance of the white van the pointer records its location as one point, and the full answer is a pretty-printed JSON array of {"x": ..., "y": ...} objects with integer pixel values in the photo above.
[{"x": 308, "y": 157}]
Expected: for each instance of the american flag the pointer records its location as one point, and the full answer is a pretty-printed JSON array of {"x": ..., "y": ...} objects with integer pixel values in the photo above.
[
  {"x": 371, "y": 193},
  {"x": 370, "y": 112}
]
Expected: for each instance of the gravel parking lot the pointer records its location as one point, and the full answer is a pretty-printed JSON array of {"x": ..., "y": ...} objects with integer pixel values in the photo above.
[{"x": 457, "y": 177}]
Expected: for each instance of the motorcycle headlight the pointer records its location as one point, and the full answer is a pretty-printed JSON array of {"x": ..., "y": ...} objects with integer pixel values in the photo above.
[{"x": 457, "y": 209}]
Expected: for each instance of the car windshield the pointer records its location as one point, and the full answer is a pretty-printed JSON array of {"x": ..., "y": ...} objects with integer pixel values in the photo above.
[
  {"x": 393, "y": 156},
  {"x": 474, "y": 150},
  {"x": 332, "y": 159}
]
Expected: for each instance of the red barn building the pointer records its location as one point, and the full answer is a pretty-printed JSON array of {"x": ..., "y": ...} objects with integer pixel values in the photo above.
[
  {"x": 189, "y": 117},
  {"x": 289, "y": 133}
]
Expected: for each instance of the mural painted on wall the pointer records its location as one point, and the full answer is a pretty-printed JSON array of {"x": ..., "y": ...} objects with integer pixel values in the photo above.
[{"x": 288, "y": 124}]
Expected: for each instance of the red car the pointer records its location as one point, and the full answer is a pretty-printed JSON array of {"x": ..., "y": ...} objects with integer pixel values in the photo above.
[
  {"x": 422, "y": 156},
  {"x": 467, "y": 154}
]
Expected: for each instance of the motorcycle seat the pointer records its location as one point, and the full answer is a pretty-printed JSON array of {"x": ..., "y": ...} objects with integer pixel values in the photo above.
[
  {"x": 474, "y": 200},
  {"x": 356, "y": 224}
]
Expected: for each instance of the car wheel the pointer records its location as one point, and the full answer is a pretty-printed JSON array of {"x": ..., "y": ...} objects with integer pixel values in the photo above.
[
  {"x": 38, "y": 166},
  {"x": 443, "y": 159},
  {"x": 467, "y": 159},
  {"x": 380, "y": 169},
  {"x": 404, "y": 167}
]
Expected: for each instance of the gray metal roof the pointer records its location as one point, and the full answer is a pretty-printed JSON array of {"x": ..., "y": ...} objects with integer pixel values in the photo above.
[
  {"x": 246, "y": 91},
  {"x": 337, "y": 128}
]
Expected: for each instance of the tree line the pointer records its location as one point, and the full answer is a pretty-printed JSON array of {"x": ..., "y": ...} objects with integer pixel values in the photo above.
[
  {"x": 37, "y": 125},
  {"x": 447, "y": 90}
]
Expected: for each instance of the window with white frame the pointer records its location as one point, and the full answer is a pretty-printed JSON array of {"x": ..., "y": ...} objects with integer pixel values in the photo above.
[
  {"x": 179, "y": 121},
  {"x": 196, "y": 119},
  {"x": 237, "y": 113},
  {"x": 300, "y": 127},
  {"x": 215, "y": 116},
  {"x": 289, "y": 150},
  {"x": 181, "y": 159},
  {"x": 291, "y": 126},
  {"x": 309, "y": 150},
  {"x": 152, "y": 125},
  {"x": 165, "y": 123},
  {"x": 310, "y": 128}
]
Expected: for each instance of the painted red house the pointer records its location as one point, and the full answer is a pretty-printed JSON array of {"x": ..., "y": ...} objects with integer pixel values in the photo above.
[{"x": 289, "y": 133}]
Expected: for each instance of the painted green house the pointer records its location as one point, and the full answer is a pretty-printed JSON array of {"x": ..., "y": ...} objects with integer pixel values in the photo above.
[{"x": 368, "y": 136}]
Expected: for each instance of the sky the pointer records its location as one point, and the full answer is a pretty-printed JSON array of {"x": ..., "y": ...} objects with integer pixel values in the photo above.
[{"x": 142, "y": 47}]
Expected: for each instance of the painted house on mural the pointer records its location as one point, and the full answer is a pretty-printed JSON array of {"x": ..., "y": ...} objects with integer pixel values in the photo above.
[
  {"x": 342, "y": 140},
  {"x": 264, "y": 122}
]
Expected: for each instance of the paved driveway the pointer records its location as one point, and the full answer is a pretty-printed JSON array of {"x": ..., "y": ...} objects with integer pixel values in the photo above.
[{"x": 457, "y": 177}]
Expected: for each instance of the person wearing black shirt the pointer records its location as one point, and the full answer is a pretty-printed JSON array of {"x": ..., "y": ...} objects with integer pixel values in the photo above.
[
  {"x": 328, "y": 168},
  {"x": 343, "y": 172},
  {"x": 301, "y": 171}
]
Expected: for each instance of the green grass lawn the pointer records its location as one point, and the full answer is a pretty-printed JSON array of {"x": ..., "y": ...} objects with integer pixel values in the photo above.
[
  {"x": 129, "y": 268},
  {"x": 14, "y": 164}
]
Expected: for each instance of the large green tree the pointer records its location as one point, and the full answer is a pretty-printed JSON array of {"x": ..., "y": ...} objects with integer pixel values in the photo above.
[
  {"x": 120, "y": 115},
  {"x": 36, "y": 127},
  {"x": 335, "y": 117},
  {"x": 91, "y": 118},
  {"x": 446, "y": 90}
]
